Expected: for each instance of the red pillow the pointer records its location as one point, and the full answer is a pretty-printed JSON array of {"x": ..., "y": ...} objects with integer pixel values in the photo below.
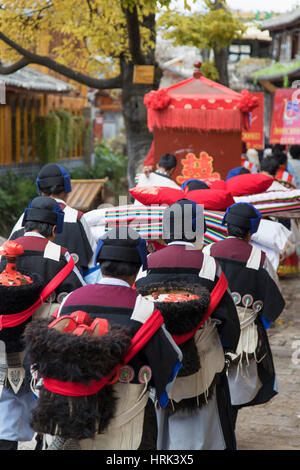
[
  {"x": 249, "y": 183},
  {"x": 218, "y": 184},
  {"x": 211, "y": 199},
  {"x": 160, "y": 195}
]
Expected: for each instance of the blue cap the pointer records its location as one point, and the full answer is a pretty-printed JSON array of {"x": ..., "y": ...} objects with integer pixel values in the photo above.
[
  {"x": 243, "y": 214},
  {"x": 44, "y": 209},
  {"x": 53, "y": 174}
]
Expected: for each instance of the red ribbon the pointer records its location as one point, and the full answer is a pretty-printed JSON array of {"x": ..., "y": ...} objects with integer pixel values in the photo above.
[
  {"x": 15, "y": 319},
  {"x": 215, "y": 297}
]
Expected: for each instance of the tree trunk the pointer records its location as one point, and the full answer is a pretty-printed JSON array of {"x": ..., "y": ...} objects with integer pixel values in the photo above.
[
  {"x": 138, "y": 137},
  {"x": 221, "y": 54},
  {"x": 221, "y": 61}
]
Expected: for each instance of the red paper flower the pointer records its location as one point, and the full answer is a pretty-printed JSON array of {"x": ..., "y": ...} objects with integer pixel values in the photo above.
[
  {"x": 248, "y": 102},
  {"x": 157, "y": 99}
]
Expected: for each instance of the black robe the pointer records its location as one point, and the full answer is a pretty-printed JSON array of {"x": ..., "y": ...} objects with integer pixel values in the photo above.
[
  {"x": 75, "y": 237},
  {"x": 183, "y": 262},
  {"x": 257, "y": 284}
]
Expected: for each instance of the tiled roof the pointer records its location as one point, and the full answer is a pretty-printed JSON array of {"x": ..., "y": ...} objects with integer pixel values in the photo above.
[
  {"x": 31, "y": 79},
  {"x": 283, "y": 20}
]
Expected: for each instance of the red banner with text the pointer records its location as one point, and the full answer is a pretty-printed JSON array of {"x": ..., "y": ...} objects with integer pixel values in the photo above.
[
  {"x": 254, "y": 136},
  {"x": 285, "y": 125}
]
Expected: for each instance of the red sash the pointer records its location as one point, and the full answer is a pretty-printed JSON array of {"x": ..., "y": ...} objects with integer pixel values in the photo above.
[
  {"x": 9, "y": 321},
  {"x": 215, "y": 297},
  {"x": 76, "y": 389}
]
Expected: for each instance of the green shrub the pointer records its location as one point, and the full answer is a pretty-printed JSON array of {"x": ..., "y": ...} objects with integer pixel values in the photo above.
[
  {"x": 48, "y": 140},
  {"x": 59, "y": 133},
  {"x": 110, "y": 162},
  {"x": 15, "y": 194},
  {"x": 66, "y": 133}
]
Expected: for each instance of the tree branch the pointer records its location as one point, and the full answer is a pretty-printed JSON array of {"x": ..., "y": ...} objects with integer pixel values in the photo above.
[
  {"x": 32, "y": 58},
  {"x": 6, "y": 69}
]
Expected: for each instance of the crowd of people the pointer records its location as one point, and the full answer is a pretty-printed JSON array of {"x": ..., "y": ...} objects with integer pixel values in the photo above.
[{"x": 164, "y": 349}]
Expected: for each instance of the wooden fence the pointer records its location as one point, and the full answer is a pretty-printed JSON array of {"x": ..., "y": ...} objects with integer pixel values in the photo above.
[{"x": 17, "y": 124}]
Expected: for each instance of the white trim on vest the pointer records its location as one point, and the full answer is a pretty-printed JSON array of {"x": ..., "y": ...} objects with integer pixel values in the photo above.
[
  {"x": 142, "y": 310},
  {"x": 52, "y": 251},
  {"x": 207, "y": 248},
  {"x": 208, "y": 270},
  {"x": 254, "y": 258},
  {"x": 70, "y": 214}
]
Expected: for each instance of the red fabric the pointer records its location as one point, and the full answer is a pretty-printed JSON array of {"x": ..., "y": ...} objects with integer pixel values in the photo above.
[
  {"x": 149, "y": 159},
  {"x": 249, "y": 183},
  {"x": 217, "y": 184},
  {"x": 248, "y": 102},
  {"x": 283, "y": 175},
  {"x": 199, "y": 103},
  {"x": 196, "y": 119},
  {"x": 157, "y": 99},
  {"x": 285, "y": 117},
  {"x": 71, "y": 389},
  {"x": 154, "y": 245},
  {"x": 9, "y": 321},
  {"x": 200, "y": 91},
  {"x": 149, "y": 195},
  {"x": 140, "y": 339},
  {"x": 253, "y": 137},
  {"x": 215, "y": 297},
  {"x": 211, "y": 199}
]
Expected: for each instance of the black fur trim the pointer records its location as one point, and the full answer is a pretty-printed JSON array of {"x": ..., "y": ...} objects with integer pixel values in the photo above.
[
  {"x": 180, "y": 317},
  {"x": 73, "y": 358},
  {"x": 74, "y": 417},
  {"x": 15, "y": 299}
]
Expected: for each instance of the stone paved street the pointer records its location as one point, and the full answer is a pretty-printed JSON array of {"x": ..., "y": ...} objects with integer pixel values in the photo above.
[{"x": 276, "y": 425}]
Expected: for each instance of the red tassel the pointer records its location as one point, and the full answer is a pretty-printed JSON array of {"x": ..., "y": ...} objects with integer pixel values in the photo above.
[{"x": 196, "y": 119}]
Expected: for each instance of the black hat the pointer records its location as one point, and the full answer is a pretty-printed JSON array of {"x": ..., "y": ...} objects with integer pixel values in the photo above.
[
  {"x": 243, "y": 214},
  {"x": 53, "y": 174},
  {"x": 44, "y": 209},
  {"x": 194, "y": 184},
  {"x": 122, "y": 244}
]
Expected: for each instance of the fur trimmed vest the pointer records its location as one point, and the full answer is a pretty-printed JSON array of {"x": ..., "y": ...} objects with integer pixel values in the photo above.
[
  {"x": 203, "y": 355},
  {"x": 78, "y": 359}
]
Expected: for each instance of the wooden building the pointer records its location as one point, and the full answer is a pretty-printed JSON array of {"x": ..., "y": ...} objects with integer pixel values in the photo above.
[
  {"x": 29, "y": 93},
  {"x": 284, "y": 30}
]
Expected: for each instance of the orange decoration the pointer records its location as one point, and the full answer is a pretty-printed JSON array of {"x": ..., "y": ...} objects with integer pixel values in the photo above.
[
  {"x": 180, "y": 298},
  {"x": 200, "y": 168},
  {"x": 10, "y": 276}
]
